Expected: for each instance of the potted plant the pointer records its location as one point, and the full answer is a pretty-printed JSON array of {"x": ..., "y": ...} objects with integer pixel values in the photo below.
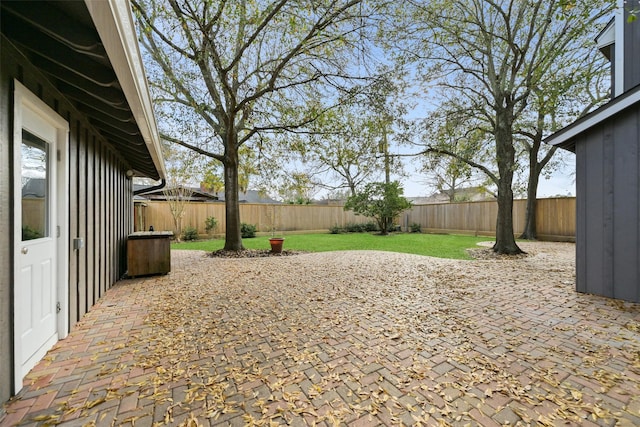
[{"x": 275, "y": 242}]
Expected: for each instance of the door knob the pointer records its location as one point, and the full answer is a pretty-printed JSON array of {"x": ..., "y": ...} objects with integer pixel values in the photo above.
[{"x": 24, "y": 250}]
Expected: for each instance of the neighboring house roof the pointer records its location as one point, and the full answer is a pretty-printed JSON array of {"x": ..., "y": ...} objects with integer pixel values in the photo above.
[
  {"x": 329, "y": 202},
  {"x": 89, "y": 51},
  {"x": 565, "y": 138},
  {"x": 472, "y": 194},
  {"x": 199, "y": 195},
  {"x": 251, "y": 196},
  {"x": 195, "y": 194}
]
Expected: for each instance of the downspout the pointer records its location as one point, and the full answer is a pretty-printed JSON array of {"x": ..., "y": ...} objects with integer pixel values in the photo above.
[{"x": 163, "y": 183}]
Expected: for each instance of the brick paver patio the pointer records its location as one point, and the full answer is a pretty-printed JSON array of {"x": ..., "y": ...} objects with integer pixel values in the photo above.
[{"x": 358, "y": 338}]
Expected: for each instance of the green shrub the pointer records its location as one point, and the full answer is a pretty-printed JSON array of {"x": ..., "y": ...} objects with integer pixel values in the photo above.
[
  {"x": 366, "y": 227},
  {"x": 336, "y": 229},
  {"x": 210, "y": 224},
  {"x": 382, "y": 201},
  {"x": 189, "y": 233},
  {"x": 352, "y": 228},
  {"x": 371, "y": 226},
  {"x": 392, "y": 228},
  {"x": 247, "y": 230},
  {"x": 415, "y": 228}
]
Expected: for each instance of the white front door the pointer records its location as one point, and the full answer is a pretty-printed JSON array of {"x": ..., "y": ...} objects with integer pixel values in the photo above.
[{"x": 37, "y": 135}]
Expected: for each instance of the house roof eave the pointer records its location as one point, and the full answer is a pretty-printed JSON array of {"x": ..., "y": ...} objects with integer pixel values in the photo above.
[
  {"x": 565, "y": 138},
  {"x": 115, "y": 26},
  {"x": 607, "y": 35},
  {"x": 605, "y": 40}
]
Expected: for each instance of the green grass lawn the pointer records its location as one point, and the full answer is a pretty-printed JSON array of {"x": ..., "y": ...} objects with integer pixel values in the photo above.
[{"x": 436, "y": 245}]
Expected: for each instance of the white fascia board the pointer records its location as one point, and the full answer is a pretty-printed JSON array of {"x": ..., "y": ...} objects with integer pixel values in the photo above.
[
  {"x": 115, "y": 25},
  {"x": 593, "y": 119},
  {"x": 607, "y": 36},
  {"x": 619, "y": 25}
]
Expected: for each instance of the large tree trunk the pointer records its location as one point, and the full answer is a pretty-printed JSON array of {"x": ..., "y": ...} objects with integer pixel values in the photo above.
[
  {"x": 505, "y": 240},
  {"x": 530, "y": 231},
  {"x": 505, "y": 155},
  {"x": 233, "y": 238},
  {"x": 535, "y": 169}
]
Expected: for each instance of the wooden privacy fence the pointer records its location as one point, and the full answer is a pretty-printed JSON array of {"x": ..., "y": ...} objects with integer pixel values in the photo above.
[
  {"x": 556, "y": 218},
  {"x": 264, "y": 216}
]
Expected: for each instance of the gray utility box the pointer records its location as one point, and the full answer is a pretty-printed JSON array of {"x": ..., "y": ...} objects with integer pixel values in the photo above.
[{"x": 148, "y": 252}]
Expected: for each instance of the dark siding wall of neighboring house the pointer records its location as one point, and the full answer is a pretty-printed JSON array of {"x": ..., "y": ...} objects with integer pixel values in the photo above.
[
  {"x": 608, "y": 208},
  {"x": 589, "y": 212},
  {"x": 631, "y": 56},
  {"x": 612, "y": 62},
  {"x": 100, "y": 208},
  {"x": 626, "y": 207}
]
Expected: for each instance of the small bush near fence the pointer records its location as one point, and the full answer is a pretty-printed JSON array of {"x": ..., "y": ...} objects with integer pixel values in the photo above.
[
  {"x": 210, "y": 224},
  {"x": 366, "y": 227},
  {"x": 415, "y": 228},
  {"x": 247, "y": 230},
  {"x": 189, "y": 233}
]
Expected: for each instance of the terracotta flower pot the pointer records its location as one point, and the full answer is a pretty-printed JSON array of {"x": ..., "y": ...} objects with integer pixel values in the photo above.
[{"x": 276, "y": 244}]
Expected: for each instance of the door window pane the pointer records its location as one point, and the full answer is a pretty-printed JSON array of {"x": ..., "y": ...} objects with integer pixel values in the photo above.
[{"x": 35, "y": 187}]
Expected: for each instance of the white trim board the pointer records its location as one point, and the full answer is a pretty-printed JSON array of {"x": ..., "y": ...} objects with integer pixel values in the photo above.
[
  {"x": 594, "y": 118},
  {"x": 116, "y": 28}
]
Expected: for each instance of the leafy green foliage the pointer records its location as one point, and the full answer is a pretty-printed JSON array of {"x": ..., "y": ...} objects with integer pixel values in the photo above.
[
  {"x": 336, "y": 229},
  {"x": 212, "y": 178},
  {"x": 506, "y": 67},
  {"x": 210, "y": 224},
  {"x": 189, "y": 233},
  {"x": 247, "y": 230},
  {"x": 415, "y": 228},
  {"x": 345, "y": 140},
  {"x": 370, "y": 227},
  {"x": 299, "y": 201},
  {"x": 228, "y": 75},
  {"x": 380, "y": 201},
  {"x": 361, "y": 227},
  {"x": 355, "y": 227},
  {"x": 297, "y": 188}
]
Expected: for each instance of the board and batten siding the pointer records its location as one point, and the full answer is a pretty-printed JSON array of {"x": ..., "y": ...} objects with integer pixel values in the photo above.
[
  {"x": 100, "y": 215},
  {"x": 100, "y": 202},
  {"x": 608, "y": 208},
  {"x": 631, "y": 57}
]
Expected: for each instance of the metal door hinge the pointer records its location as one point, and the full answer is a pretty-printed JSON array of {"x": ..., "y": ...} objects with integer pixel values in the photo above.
[{"x": 58, "y": 308}]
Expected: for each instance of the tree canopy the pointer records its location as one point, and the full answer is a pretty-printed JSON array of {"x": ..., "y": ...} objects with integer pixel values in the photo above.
[
  {"x": 381, "y": 201},
  {"x": 227, "y": 74},
  {"x": 247, "y": 83},
  {"x": 491, "y": 58}
]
